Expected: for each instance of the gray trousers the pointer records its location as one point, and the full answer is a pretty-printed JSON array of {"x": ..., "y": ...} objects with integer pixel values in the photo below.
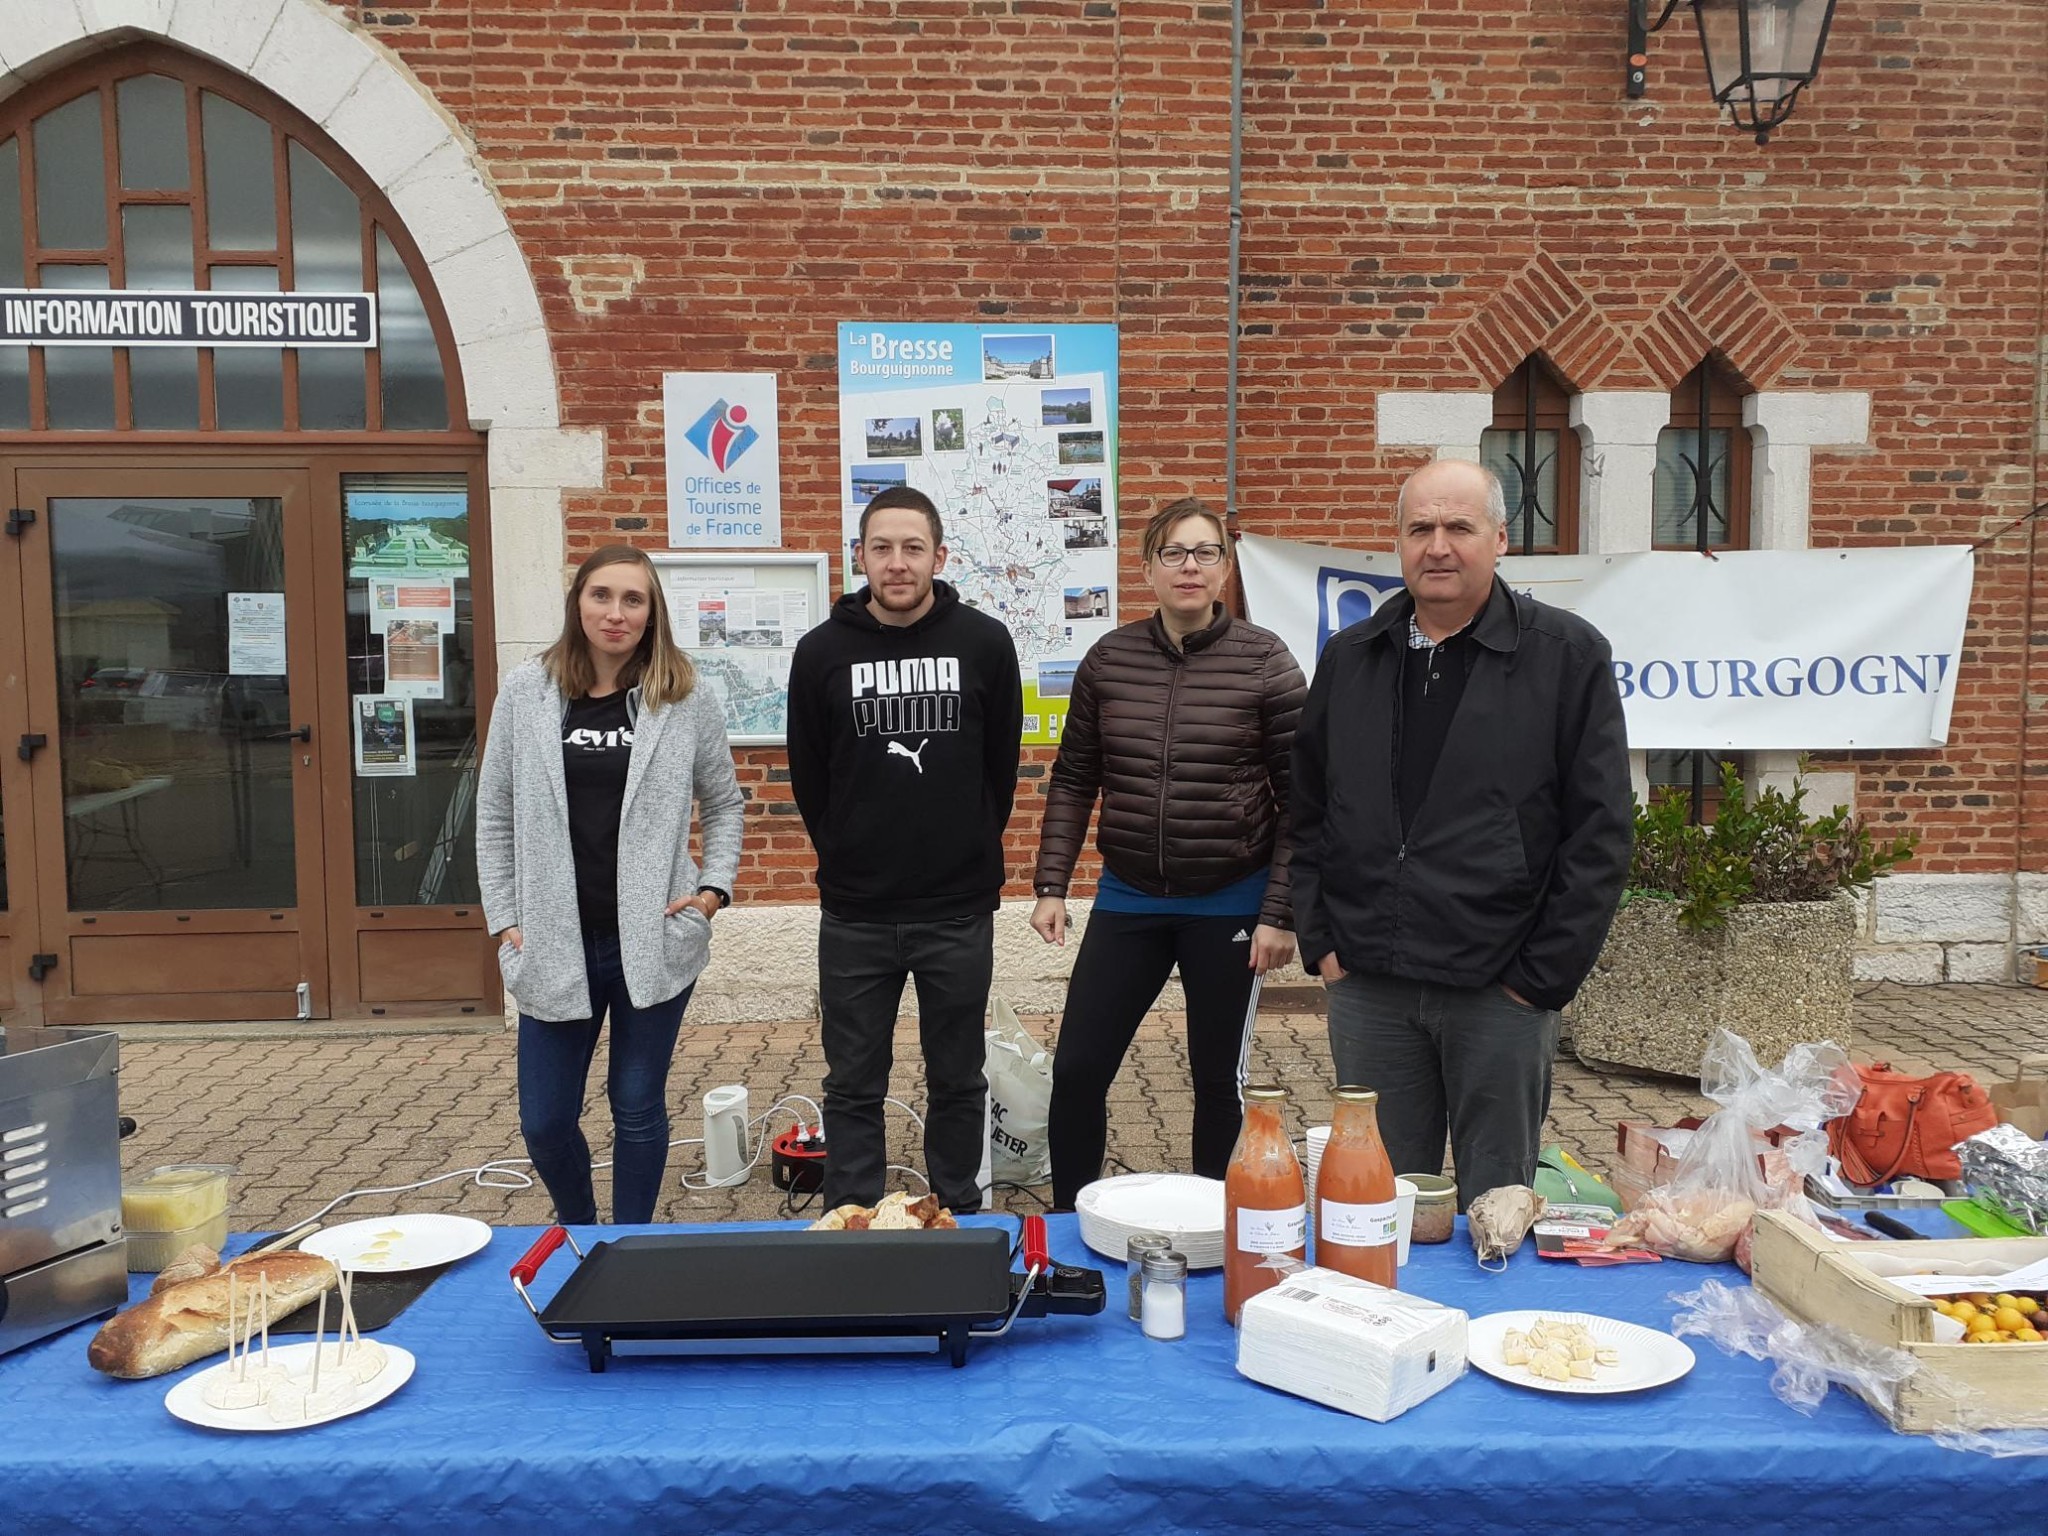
[{"x": 1468, "y": 1059}]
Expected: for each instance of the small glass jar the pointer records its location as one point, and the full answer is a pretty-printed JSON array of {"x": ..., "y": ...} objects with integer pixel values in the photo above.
[
  {"x": 1436, "y": 1208},
  {"x": 1166, "y": 1295},
  {"x": 1140, "y": 1244}
]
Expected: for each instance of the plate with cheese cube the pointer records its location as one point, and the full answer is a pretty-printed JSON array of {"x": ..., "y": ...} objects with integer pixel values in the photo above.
[{"x": 1575, "y": 1352}]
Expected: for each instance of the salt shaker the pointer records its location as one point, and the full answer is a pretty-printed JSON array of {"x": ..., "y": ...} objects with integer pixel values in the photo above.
[
  {"x": 1140, "y": 1244},
  {"x": 1166, "y": 1294}
]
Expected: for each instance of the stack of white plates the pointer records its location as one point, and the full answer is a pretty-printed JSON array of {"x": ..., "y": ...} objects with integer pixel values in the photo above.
[{"x": 1176, "y": 1205}]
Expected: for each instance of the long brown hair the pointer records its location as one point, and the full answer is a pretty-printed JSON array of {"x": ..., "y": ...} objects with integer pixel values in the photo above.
[{"x": 657, "y": 666}]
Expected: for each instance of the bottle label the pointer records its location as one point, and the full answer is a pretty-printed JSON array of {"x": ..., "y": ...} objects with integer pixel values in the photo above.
[
  {"x": 1358, "y": 1226},
  {"x": 1279, "y": 1231}
]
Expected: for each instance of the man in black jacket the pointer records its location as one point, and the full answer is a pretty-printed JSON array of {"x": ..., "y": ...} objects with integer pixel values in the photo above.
[
  {"x": 1461, "y": 836},
  {"x": 905, "y": 719}
]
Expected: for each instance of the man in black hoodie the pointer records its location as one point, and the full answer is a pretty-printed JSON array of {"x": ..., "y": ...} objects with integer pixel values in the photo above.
[{"x": 905, "y": 716}]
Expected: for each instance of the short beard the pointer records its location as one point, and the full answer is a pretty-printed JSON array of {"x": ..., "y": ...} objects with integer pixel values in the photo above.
[{"x": 876, "y": 593}]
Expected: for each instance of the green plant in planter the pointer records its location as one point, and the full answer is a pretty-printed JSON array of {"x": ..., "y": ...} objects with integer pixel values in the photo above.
[{"x": 1764, "y": 848}]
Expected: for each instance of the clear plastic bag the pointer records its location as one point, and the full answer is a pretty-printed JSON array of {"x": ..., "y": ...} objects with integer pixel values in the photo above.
[
  {"x": 1812, "y": 1357},
  {"x": 1703, "y": 1214}
]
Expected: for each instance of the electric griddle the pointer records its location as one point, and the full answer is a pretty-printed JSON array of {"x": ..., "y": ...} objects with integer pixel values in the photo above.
[{"x": 788, "y": 1291}]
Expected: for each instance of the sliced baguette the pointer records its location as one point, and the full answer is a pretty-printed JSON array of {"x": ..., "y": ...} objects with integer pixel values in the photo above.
[{"x": 189, "y": 1321}]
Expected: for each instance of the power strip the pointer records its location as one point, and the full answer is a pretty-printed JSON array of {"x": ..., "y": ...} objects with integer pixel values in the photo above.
[{"x": 798, "y": 1167}]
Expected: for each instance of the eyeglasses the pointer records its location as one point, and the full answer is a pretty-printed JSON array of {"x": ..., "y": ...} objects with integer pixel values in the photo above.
[{"x": 1177, "y": 554}]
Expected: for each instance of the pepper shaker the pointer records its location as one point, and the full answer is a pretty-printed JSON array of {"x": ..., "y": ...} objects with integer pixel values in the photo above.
[{"x": 1140, "y": 1244}]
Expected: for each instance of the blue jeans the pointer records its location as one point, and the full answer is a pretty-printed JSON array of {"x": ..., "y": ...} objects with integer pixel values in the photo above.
[{"x": 554, "y": 1067}]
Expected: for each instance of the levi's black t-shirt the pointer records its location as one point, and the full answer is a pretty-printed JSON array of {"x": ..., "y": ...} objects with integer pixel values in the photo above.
[{"x": 597, "y": 746}]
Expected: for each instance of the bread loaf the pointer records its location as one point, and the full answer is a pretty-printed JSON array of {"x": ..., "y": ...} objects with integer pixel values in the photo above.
[{"x": 189, "y": 1321}]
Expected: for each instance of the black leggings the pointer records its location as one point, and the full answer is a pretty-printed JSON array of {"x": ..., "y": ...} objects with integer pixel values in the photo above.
[{"x": 1126, "y": 957}]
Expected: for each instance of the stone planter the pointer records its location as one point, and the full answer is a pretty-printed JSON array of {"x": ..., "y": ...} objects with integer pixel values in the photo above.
[{"x": 1777, "y": 974}]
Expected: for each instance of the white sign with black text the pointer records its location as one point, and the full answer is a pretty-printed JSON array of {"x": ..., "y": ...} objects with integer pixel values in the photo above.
[{"x": 150, "y": 317}]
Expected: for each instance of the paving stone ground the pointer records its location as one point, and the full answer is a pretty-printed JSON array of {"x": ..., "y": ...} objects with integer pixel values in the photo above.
[{"x": 309, "y": 1116}]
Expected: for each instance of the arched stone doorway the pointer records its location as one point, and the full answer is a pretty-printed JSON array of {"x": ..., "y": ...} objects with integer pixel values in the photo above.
[{"x": 263, "y": 589}]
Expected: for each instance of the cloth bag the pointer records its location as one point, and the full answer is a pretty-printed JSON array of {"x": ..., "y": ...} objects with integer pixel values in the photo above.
[
  {"x": 1908, "y": 1126},
  {"x": 1019, "y": 1072}
]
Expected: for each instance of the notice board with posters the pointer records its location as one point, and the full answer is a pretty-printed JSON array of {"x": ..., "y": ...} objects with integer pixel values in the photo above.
[
  {"x": 739, "y": 616},
  {"x": 1011, "y": 430}
]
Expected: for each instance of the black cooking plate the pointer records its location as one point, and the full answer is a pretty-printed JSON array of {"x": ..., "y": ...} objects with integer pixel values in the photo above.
[{"x": 712, "y": 1284}]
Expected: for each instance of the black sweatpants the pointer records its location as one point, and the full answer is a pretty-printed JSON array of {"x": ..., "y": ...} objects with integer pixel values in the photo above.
[{"x": 1126, "y": 957}]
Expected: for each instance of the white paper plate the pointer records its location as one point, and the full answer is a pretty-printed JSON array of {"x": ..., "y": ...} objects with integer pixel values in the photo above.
[
  {"x": 1177, "y": 1205},
  {"x": 186, "y": 1400},
  {"x": 1648, "y": 1358},
  {"x": 387, "y": 1244}
]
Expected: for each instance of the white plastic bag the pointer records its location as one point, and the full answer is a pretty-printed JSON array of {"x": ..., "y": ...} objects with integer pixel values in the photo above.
[
  {"x": 1019, "y": 1097},
  {"x": 1704, "y": 1213}
]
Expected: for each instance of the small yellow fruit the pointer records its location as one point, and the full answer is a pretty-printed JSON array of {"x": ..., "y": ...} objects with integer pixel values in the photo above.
[
  {"x": 1981, "y": 1323},
  {"x": 2009, "y": 1319},
  {"x": 2027, "y": 1304},
  {"x": 1944, "y": 1306},
  {"x": 2027, "y": 1335},
  {"x": 1980, "y": 1338},
  {"x": 1980, "y": 1298}
]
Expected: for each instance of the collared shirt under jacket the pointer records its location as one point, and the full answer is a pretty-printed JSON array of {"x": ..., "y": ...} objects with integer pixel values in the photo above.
[{"x": 1513, "y": 863}]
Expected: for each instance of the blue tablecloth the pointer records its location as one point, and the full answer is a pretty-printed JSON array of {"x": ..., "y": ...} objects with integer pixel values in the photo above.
[{"x": 1076, "y": 1425}]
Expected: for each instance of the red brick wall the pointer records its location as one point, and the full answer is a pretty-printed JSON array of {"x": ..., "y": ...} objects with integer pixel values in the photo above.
[{"x": 1431, "y": 191}]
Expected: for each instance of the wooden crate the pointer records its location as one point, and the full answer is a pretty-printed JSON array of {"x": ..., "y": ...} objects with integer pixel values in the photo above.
[{"x": 1816, "y": 1279}]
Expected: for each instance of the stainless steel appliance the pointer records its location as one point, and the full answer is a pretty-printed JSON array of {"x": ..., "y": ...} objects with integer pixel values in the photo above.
[{"x": 62, "y": 1256}]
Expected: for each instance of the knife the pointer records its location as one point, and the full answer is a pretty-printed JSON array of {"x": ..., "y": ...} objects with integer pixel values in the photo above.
[{"x": 285, "y": 1239}]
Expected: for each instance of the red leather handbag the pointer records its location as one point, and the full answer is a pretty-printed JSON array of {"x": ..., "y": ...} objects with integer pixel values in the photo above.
[{"x": 1908, "y": 1125}]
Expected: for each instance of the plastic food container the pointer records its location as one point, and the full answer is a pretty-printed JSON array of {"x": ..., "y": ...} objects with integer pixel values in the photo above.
[
  {"x": 149, "y": 1252},
  {"x": 166, "y": 1210}
]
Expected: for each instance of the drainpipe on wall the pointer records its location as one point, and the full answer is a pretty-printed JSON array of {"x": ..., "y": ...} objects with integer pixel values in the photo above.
[{"x": 1236, "y": 230}]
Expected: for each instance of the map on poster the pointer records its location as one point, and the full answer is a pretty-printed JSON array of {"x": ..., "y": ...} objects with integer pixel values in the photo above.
[
  {"x": 1011, "y": 430},
  {"x": 739, "y": 615}
]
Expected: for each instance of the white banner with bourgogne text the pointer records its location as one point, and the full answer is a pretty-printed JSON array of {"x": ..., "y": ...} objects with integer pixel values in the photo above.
[{"x": 1757, "y": 650}]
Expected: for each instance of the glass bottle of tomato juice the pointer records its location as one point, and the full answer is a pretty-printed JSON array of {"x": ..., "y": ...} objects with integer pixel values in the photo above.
[
  {"x": 1357, "y": 1221},
  {"x": 1265, "y": 1211}
]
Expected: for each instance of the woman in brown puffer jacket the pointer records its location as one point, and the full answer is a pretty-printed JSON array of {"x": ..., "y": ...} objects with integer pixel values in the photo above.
[{"x": 1183, "y": 724}]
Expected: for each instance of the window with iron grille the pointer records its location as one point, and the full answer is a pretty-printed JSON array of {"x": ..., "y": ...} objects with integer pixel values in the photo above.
[
  {"x": 1700, "y": 501},
  {"x": 1532, "y": 448}
]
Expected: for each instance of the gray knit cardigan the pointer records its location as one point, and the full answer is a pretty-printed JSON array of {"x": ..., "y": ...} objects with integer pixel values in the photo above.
[{"x": 528, "y": 873}]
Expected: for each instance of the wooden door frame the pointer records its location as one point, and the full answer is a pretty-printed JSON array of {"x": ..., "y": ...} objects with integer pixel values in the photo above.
[
  {"x": 38, "y": 487},
  {"x": 323, "y": 460},
  {"x": 20, "y": 918},
  {"x": 349, "y": 918}
]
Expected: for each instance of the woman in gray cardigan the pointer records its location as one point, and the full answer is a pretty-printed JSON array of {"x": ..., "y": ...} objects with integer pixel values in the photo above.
[{"x": 601, "y": 744}]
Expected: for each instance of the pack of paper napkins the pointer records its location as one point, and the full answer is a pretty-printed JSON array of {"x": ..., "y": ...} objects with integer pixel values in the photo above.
[{"x": 1350, "y": 1344}]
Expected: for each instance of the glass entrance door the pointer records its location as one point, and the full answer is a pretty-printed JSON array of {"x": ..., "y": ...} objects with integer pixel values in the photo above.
[{"x": 174, "y": 763}]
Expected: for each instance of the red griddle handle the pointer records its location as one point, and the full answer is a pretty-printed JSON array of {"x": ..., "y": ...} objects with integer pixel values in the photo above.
[
  {"x": 1037, "y": 1250},
  {"x": 542, "y": 1250}
]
